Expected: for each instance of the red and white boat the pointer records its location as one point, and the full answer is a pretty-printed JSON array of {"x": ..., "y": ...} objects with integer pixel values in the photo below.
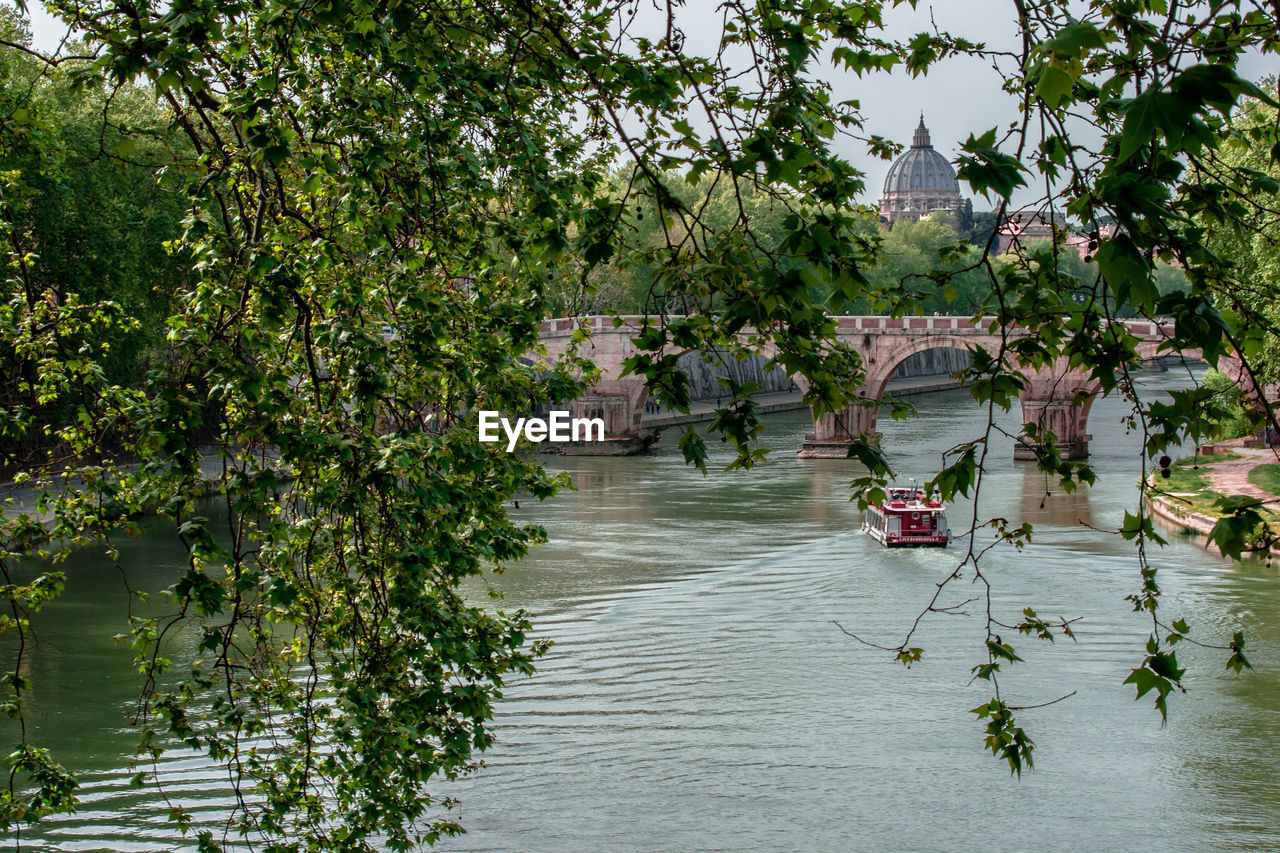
[{"x": 908, "y": 519}]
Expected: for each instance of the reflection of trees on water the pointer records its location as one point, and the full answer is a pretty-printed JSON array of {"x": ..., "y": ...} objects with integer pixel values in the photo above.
[
  {"x": 778, "y": 496},
  {"x": 88, "y": 684}
]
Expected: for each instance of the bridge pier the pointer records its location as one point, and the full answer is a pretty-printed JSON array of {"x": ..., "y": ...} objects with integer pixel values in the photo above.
[
  {"x": 1065, "y": 419},
  {"x": 1057, "y": 400},
  {"x": 834, "y": 432},
  {"x": 620, "y": 404}
]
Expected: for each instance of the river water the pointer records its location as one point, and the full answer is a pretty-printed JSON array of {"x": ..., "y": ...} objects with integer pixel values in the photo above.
[{"x": 699, "y": 695}]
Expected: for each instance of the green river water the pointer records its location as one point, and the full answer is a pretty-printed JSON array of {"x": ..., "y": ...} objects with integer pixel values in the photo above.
[{"x": 700, "y": 698}]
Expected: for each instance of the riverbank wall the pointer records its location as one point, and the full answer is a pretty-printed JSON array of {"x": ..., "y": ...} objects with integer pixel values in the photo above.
[{"x": 1174, "y": 514}]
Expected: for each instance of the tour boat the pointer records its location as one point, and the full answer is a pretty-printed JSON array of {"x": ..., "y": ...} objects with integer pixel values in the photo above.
[{"x": 908, "y": 519}]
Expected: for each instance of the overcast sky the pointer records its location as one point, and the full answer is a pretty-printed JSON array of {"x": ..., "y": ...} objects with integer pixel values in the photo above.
[{"x": 958, "y": 97}]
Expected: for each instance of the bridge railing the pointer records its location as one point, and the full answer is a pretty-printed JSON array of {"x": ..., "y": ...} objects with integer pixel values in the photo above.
[{"x": 564, "y": 326}]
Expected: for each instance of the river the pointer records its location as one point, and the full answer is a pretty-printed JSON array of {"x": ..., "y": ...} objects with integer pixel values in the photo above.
[{"x": 700, "y": 697}]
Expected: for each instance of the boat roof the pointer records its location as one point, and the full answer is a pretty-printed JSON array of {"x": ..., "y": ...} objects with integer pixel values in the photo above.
[{"x": 898, "y": 499}]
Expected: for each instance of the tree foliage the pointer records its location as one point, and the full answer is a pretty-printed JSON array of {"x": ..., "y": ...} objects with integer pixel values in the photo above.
[
  {"x": 389, "y": 197},
  {"x": 87, "y": 224},
  {"x": 928, "y": 269},
  {"x": 923, "y": 266},
  {"x": 602, "y": 280},
  {"x": 1238, "y": 418},
  {"x": 1249, "y": 243}
]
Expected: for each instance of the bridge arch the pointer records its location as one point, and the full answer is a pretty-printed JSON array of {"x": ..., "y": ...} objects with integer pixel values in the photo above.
[
  {"x": 1229, "y": 364},
  {"x": 882, "y": 365},
  {"x": 883, "y": 353},
  {"x": 1157, "y": 348},
  {"x": 1060, "y": 399}
]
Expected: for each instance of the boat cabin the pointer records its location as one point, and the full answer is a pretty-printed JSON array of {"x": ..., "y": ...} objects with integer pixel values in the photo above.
[{"x": 908, "y": 518}]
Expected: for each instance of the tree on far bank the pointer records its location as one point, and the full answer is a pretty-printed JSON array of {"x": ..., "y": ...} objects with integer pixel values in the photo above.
[
  {"x": 1236, "y": 417},
  {"x": 87, "y": 210},
  {"x": 930, "y": 267},
  {"x": 1245, "y": 231}
]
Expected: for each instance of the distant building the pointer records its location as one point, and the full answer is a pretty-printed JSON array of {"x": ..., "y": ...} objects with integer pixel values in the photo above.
[
  {"x": 1029, "y": 226},
  {"x": 1087, "y": 244},
  {"x": 1023, "y": 226},
  {"x": 920, "y": 182}
]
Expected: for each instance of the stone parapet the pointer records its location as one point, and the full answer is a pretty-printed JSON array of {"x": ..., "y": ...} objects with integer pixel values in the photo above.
[{"x": 1056, "y": 398}]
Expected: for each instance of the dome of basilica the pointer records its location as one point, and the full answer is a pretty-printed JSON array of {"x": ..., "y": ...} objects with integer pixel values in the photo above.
[{"x": 920, "y": 182}]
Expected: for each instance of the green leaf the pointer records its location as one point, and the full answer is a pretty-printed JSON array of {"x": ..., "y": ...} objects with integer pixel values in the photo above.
[
  {"x": 1075, "y": 40},
  {"x": 1004, "y": 738},
  {"x": 1126, "y": 271},
  {"x": 1054, "y": 85},
  {"x": 694, "y": 449},
  {"x": 1237, "y": 661},
  {"x": 986, "y": 168},
  {"x": 1139, "y": 125}
]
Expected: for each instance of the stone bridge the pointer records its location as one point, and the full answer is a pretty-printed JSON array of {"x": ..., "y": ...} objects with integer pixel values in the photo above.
[{"x": 1057, "y": 399}]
